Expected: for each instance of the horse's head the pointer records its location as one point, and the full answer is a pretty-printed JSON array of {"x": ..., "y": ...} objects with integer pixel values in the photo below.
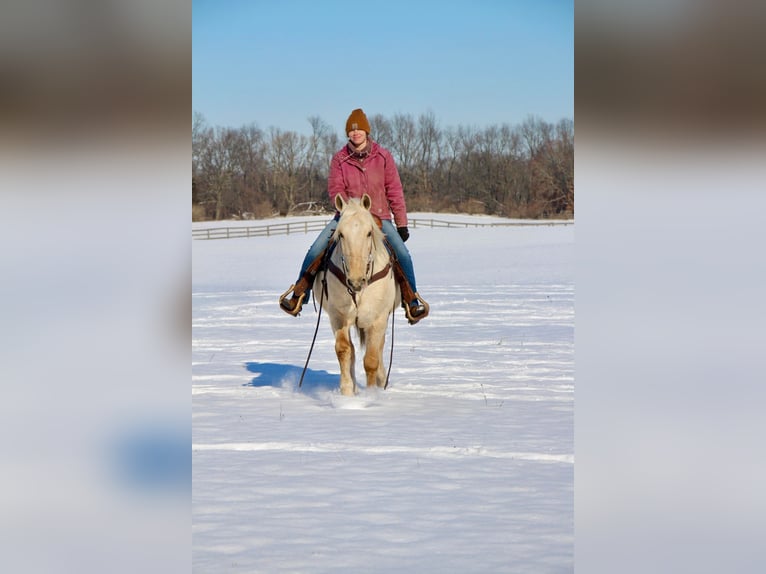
[{"x": 358, "y": 238}]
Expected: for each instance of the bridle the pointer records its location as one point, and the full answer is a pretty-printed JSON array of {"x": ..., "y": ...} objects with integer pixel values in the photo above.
[
  {"x": 343, "y": 262},
  {"x": 342, "y": 274}
]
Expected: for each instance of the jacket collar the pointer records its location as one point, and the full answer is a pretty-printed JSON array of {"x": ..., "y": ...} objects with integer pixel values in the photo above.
[{"x": 371, "y": 148}]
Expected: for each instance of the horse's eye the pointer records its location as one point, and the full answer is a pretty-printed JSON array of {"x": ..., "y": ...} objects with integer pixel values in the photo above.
[
  {"x": 340, "y": 236},
  {"x": 369, "y": 234}
]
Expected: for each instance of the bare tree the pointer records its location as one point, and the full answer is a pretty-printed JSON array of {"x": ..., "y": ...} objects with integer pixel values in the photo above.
[
  {"x": 200, "y": 133},
  {"x": 536, "y": 134},
  {"x": 317, "y": 159},
  {"x": 219, "y": 164},
  {"x": 200, "y": 137},
  {"x": 252, "y": 194},
  {"x": 287, "y": 158},
  {"x": 453, "y": 152},
  {"x": 429, "y": 140},
  {"x": 382, "y": 132},
  {"x": 404, "y": 141},
  {"x": 561, "y": 166}
]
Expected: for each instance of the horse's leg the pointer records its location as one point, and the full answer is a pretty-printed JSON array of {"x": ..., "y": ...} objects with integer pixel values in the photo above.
[
  {"x": 344, "y": 349},
  {"x": 373, "y": 356},
  {"x": 352, "y": 361}
]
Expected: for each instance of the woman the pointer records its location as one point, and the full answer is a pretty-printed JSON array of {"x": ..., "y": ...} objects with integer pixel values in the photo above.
[{"x": 362, "y": 166}]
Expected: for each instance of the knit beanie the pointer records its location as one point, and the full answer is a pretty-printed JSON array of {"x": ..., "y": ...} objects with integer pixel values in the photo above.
[{"x": 357, "y": 121}]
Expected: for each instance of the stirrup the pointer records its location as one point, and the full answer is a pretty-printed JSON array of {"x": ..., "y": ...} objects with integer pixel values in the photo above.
[
  {"x": 298, "y": 305},
  {"x": 412, "y": 320}
]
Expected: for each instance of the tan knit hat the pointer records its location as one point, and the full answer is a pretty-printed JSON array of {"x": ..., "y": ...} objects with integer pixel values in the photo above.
[{"x": 357, "y": 121}]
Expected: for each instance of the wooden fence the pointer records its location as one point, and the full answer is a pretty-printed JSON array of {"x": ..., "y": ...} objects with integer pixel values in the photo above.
[{"x": 319, "y": 224}]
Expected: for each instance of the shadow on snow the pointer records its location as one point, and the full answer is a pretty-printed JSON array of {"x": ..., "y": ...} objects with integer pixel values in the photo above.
[{"x": 280, "y": 375}]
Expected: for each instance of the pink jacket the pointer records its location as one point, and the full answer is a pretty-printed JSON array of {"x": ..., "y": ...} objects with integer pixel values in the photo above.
[{"x": 376, "y": 175}]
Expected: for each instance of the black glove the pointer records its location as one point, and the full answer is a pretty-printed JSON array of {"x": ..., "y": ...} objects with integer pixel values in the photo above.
[{"x": 404, "y": 233}]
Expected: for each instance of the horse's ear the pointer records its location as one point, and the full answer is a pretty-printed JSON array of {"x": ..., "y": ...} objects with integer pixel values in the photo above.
[
  {"x": 339, "y": 202},
  {"x": 366, "y": 202}
]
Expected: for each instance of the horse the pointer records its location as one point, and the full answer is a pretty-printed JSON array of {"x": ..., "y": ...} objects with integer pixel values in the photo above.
[{"x": 358, "y": 290}]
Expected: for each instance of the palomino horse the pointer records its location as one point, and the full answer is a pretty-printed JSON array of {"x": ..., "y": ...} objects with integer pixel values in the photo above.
[{"x": 361, "y": 291}]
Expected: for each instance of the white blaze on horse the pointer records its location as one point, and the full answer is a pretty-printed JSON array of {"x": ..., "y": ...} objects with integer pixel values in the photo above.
[{"x": 360, "y": 291}]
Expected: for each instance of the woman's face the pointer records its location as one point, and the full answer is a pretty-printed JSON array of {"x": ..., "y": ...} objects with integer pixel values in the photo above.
[{"x": 357, "y": 137}]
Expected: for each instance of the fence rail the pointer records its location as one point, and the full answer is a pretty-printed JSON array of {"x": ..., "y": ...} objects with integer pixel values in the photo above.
[
  {"x": 318, "y": 225},
  {"x": 447, "y": 224}
]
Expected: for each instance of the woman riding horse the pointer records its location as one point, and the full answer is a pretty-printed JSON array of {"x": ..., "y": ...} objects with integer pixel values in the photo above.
[{"x": 363, "y": 166}]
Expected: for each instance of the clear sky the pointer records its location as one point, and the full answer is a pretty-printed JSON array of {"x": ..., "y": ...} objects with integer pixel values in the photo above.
[{"x": 470, "y": 62}]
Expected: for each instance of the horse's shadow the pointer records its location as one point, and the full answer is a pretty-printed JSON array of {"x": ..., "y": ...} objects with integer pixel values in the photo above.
[{"x": 280, "y": 375}]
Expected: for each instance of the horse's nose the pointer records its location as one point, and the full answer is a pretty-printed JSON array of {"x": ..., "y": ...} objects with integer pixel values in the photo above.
[{"x": 356, "y": 284}]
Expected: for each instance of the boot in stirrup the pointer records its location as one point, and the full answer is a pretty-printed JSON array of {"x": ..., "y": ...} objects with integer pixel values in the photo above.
[
  {"x": 417, "y": 309},
  {"x": 294, "y": 304}
]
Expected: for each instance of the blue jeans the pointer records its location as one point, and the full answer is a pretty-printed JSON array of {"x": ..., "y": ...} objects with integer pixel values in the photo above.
[{"x": 402, "y": 254}]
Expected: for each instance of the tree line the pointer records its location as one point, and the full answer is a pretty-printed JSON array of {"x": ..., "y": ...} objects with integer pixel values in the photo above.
[{"x": 520, "y": 171}]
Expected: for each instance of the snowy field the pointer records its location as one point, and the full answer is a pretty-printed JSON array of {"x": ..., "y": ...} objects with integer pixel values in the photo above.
[{"x": 464, "y": 464}]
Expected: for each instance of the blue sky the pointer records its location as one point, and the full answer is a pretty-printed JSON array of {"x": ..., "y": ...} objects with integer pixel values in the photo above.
[{"x": 472, "y": 63}]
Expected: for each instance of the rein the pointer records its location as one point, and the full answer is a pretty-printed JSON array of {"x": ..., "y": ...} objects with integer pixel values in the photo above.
[
  {"x": 391, "y": 356},
  {"x": 316, "y": 330}
]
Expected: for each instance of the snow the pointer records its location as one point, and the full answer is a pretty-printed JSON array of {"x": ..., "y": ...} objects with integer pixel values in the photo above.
[{"x": 464, "y": 464}]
